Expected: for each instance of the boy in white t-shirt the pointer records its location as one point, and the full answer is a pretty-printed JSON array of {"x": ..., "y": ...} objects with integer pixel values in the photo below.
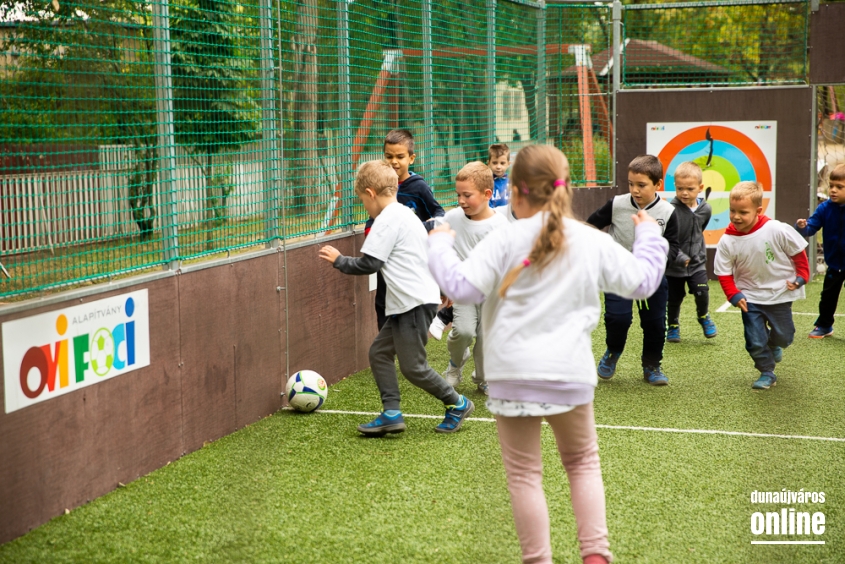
[
  {"x": 471, "y": 221},
  {"x": 397, "y": 246},
  {"x": 762, "y": 267}
]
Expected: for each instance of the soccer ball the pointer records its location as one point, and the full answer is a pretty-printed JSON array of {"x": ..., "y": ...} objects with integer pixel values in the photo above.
[{"x": 306, "y": 390}]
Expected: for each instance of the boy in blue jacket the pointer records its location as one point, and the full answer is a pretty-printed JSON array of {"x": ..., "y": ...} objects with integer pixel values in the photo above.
[{"x": 830, "y": 218}]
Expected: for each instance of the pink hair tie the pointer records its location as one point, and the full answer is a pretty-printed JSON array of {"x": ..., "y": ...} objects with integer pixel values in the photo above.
[
  {"x": 560, "y": 182},
  {"x": 526, "y": 263},
  {"x": 523, "y": 188}
]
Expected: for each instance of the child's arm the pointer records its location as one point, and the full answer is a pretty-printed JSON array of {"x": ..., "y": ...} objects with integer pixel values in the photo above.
[
  {"x": 603, "y": 216},
  {"x": 802, "y": 271},
  {"x": 705, "y": 215},
  {"x": 670, "y": 233},
  {"x": 723, "y": 268},
  {"x": 446, "y": 267},
  {"x": 809, "y": 227},
  {"x": 362, "y": 265}
]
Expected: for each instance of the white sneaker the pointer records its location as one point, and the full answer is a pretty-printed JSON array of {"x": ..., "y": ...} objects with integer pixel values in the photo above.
[
  {"x": 436, "y": 328},
  {"x": 452, "y": 375}
]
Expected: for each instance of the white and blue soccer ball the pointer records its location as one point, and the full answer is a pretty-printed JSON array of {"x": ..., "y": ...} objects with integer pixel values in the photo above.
[{"x": 306, "y": 391}]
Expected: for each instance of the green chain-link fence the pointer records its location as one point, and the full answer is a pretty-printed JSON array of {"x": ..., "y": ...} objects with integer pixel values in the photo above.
[
  {"x": 137, "y": 134},
  {"x": 728, "y": 43}
]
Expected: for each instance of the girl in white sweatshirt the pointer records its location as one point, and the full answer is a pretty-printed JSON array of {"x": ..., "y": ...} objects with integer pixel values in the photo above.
[{"x": 540, "y": 280}]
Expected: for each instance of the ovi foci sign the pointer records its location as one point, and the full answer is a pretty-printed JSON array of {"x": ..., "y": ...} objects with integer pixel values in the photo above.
[{"x": 51, "y": 354}]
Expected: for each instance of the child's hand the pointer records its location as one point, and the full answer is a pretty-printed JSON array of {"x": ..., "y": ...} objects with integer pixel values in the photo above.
[
  {"x": 642, "y": 217},
  {"x": 446, "y": 302},
  {"x": 743, "y": 305},
  {"x": 329, "y": 253},
  {"x": 790, "y": 285},
  {"x": 801, "y": 223},
  {"x": 442, "y": 228}
]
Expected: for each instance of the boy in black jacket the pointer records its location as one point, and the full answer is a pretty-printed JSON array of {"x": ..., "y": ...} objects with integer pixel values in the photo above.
[
  {"x": 693, "y": 215},
  {"x": 413, "y": 193}
]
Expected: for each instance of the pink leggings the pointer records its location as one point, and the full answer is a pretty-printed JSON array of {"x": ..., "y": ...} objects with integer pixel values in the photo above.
[{"x": 575, "y": 434}]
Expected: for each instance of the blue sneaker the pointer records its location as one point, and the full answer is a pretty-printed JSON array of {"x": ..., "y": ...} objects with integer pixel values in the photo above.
[
  {"x": 765, "y": 381},
  {"x": 708, "y": 326},
  {"x": 673, "y": 335},
  {"x": 777, "y": 352},
  {"x": 607, "y": 365},
  {"x": 382, "y": 425},
  {"x": 455, "y": 416},
  {"x": 654, "y": 375},
  {"x": 821, "y": 332}
]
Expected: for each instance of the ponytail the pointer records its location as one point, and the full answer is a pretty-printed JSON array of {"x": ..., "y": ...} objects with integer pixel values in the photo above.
[{"x": 540, "y": 173}]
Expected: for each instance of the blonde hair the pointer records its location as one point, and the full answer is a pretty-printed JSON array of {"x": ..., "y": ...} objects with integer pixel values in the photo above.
[
  {"x": 689, "y": 169},
  {"x": 479, "y": 174},
  {"x": 378, "y": 176},
  {"x": 748, "y": 189},
  {"x": 540, "y": 174},
  {"x": 838, "y": 173}
]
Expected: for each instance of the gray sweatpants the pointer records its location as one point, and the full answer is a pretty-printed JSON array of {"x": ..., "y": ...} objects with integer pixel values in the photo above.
[
  {"x": 466, "y": 325},
  {"x": 404, "y": 336}
]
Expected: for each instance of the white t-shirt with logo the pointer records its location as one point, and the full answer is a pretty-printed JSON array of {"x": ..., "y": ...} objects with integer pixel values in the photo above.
[
  {"x": 761, "y": 262},
  {"x": 468, "y": 232},
  {"x": 398, "y": 238}
]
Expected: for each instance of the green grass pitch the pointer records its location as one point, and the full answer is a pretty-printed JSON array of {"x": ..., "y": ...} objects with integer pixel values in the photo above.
[{"x": 306, "y": 488}]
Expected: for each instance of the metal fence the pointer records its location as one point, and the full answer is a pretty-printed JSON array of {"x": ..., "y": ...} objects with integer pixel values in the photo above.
[{"x": 137, "y": 134}]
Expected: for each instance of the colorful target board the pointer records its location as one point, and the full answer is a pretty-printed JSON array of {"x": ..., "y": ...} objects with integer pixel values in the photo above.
[{"x": 728, "y": 152}]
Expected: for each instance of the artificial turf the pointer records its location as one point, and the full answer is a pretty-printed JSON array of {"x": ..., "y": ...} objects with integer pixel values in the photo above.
[{"x": 307, "y": 488}]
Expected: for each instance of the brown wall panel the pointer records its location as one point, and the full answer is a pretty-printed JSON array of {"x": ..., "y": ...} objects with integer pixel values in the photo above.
[
  {"x": 322, "y": 314},
  {"x": 827, "y": 44},
  {"x": 65, "y": 451},
  {"x": 206, "y": 318},
  {"x": 587, "y": 200},
  {"x": 258, "y": 334}
]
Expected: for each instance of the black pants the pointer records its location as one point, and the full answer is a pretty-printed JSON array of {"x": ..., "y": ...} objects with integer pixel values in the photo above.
[
  {"x": 697, "y": 283},
  {"x": 833, "y": 281},
  {"x": 446, "y": 315},
  {"x": 618, "y": 316}
]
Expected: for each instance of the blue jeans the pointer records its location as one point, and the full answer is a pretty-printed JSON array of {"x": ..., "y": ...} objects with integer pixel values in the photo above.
[{"x": 766, "y": 327}]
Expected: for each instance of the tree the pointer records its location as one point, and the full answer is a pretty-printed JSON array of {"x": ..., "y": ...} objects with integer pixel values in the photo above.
[
  {"x": 212, "y": 118},
  {"x": 85, "y": 75}
]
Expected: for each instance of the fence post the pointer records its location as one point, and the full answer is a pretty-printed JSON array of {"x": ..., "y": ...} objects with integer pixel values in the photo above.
[
  {"x": 166, "y": 140},
  {"x": 428, "y": 92},
  {"x": 491, "y": 70},
  {"x": 268, "y": 129},
  {"x": 344, "y": 101},
  {"x": 617, "y": 74},
  {"x": 540, "y": 102}
]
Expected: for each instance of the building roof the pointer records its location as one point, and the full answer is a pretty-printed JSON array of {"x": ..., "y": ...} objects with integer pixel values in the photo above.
[{"x": 652, "y": 57}]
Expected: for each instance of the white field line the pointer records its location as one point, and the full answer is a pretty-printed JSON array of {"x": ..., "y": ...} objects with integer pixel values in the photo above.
[
  {"x": 616, "y": 427},
  {"x": 787, "y": 542},
  {"x": 726, "y": 308}
]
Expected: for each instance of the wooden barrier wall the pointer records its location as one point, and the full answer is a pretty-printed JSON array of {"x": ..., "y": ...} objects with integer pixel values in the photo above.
[
  {"x": 217, "y": 363},
  {"x": 792, "y": 108},
  {"x": 827, "y": 44}
]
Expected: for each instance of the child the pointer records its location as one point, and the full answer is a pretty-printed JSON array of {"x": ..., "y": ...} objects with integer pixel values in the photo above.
[
  {"x": 471, "y": 221},
  {"x": 693, "y": 214},
  {"x": 539, "y": 279},
  {"x": 499, "y": 161},
  {"x": 645, "y": 177},
  {"x": 396, "y": 247},
  {"x": 762, "y": 267},
  {"x": 830, "y": 217},
  {"x": 413, "y": 193}
]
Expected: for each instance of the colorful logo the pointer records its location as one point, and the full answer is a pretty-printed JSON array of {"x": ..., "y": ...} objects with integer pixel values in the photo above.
[
  {"x": 726, "y": 157},
  {"x": 55, "y": 353}
]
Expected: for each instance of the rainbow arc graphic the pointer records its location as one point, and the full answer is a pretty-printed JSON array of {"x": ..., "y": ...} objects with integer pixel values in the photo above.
[{"x": 726, "y": 156}]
